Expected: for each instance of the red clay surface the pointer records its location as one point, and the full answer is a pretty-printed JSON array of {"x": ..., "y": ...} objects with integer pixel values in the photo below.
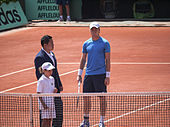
[{"x": 140, "y": 57}]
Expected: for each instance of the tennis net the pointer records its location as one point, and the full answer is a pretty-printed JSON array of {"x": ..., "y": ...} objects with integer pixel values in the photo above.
[{"x": 122, "y": 109}]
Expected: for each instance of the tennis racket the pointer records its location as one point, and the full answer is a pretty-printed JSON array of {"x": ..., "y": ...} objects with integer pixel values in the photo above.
[{"x": 78, "y": 93}]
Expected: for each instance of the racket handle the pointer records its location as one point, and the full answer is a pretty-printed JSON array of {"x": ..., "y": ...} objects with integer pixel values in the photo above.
[{"x": 79, "y": 86}]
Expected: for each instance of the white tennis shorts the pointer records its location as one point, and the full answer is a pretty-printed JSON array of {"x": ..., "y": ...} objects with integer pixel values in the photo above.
[{"x": 48, "y": 113}]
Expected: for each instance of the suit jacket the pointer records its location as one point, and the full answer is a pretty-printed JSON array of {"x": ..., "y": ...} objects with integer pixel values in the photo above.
[{"x": 42, "y": 57}]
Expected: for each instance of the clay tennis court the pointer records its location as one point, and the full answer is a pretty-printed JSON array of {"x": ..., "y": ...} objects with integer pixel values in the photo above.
[{"x": 140, "y": 59}]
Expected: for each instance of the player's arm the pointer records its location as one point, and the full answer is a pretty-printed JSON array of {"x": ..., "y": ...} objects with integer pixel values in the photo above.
[
  {"x": 82, "y": 64},
  {"x": 107, "y": 60},
  {"x": 40, "y": 87},
  {"x": 42, "y": 102}
]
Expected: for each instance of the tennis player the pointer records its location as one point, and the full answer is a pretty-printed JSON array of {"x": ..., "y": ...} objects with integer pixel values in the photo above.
[
  {"x": 97, "y": 76},
  {"x": 46, "y": 85}
]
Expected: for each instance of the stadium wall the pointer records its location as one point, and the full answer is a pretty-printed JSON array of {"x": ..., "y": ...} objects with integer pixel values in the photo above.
[{"x": 11, "y": 15}]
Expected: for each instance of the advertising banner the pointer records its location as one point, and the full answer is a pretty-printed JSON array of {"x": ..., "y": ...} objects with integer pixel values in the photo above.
[
  {"x": 11, "y": 15},
  {"x": 41, "y": 9}
]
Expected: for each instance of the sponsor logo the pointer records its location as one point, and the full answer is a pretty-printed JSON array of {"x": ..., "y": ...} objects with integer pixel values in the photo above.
[
  {"x": 9, "y": 16},
  {"x": 46, "y": 1}
]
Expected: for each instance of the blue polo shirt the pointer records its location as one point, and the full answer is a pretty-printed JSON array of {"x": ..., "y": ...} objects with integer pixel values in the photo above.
[{"x": 96, "y": 55}]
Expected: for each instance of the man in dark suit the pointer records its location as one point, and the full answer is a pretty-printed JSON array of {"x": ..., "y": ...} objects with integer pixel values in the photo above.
[{"x": 46, "y": 55}]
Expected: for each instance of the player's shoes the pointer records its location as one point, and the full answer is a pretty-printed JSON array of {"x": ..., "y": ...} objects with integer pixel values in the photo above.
[
  {"x": 85, "y": 124},
  {"x": 60, "y": 19},
  {"x": 68, "y": 19},
  {"x": 101, "y": 124}
]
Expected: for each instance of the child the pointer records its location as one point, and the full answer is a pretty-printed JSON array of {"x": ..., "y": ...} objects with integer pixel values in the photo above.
[{"x": 46, "y": 85}]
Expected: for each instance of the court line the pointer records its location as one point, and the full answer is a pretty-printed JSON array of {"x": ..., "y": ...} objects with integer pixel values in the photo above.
[
  {"x": 18, "y": 87},
  {"x": 26, "y": 69},
  {"x": 65, "y": 73},
  {"x": 34, "y": 82},
  {"x": 117, "y": 117},
  {"x": 16, "y": 72},
  {"x": 123, "y": 63}
]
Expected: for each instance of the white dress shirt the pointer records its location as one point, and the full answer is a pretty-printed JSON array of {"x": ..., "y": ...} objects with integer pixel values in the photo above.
[{"x": 50, "y": 55}]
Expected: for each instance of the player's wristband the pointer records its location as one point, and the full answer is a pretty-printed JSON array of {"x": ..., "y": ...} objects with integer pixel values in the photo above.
[
  {"x": 80, "y": 71},
  {"x": 108, "y": 74}
]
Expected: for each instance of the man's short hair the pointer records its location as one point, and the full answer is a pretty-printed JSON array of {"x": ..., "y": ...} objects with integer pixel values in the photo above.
[{"x": 45, "y": 40}]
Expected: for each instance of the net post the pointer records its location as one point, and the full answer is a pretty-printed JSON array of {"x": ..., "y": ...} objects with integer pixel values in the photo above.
[{"x": 31, "y": 111}]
